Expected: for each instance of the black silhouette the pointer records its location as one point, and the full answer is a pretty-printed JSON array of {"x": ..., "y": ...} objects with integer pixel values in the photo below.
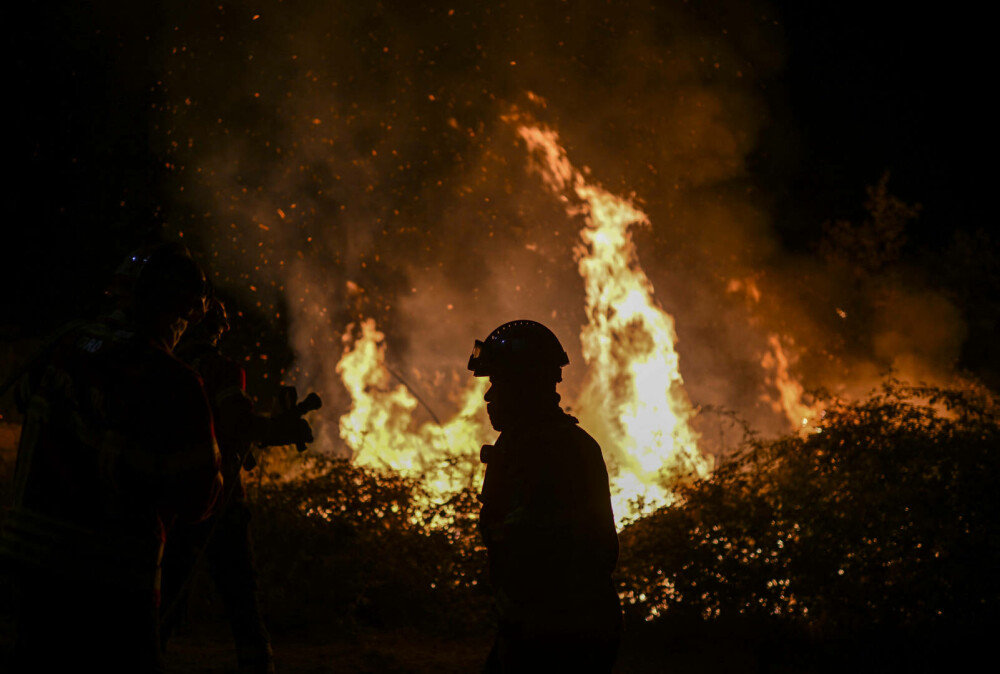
[
  {"x": 117, "y": 443},
  {"x": 546, "y": 517},
  {"x": 224, "y": 539}
]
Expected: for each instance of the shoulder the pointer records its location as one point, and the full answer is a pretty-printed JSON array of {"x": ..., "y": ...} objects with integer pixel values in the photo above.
[
  {"x": 561, "y": 445},
  {"x": 84, "y": 338},
  {"x": 90, "y": 350},
  {"x": 565, "y": 432}
]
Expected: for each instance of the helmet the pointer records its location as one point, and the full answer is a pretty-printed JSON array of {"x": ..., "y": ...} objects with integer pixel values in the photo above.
[
  {"x": 519, "y": 347},
  {"x": 162, "y": 277}
]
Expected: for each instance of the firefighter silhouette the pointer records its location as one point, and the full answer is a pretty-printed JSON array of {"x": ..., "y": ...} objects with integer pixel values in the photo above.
[
  {"x": 117, "y": 444},
  {"x": 224, "y": 539},
  {"x": 546, "y": 515}
]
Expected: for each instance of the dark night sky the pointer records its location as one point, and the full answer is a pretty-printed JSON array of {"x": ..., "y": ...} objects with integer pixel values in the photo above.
[
  {"x": 861, "y": 90},
  {"x": 876, "y": 86}
]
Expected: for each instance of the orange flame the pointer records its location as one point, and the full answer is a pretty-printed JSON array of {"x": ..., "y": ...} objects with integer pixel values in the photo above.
[
  {"x": 791, "y": 393},
  {"x": 380, "y": 427},
  {"x": 633, "y": 400}
]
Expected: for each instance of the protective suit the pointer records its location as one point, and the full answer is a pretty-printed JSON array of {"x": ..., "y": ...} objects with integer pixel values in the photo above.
[
  {"x": 117, "y": 445},
  {"x": 546, "y": 518}
]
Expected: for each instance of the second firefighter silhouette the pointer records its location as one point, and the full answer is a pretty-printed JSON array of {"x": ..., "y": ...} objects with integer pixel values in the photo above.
[
  {"x": 546, "y": 516},
  {"x": 117, "y": 445},
  {"x": 224, "y": 540}
]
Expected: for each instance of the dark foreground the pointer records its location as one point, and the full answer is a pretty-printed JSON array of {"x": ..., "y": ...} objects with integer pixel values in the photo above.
[
  {"x": 870, "y": 547},
  {"x": 374, "y": 652},
  {"x": 371, "y": 652},
  {"x": 644, "y": 651}
]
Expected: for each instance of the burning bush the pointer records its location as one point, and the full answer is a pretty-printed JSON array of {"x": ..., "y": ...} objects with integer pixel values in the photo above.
[{"x": 884, "y": 518}]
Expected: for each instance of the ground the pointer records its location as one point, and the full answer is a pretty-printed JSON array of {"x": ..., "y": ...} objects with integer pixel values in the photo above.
[
  {"x": 374, "y": 653},
  {"x": 370, "y": 652}
]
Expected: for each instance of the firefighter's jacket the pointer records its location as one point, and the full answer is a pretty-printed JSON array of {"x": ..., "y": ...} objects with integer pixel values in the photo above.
[
  {"x": 549, "y": 529},
  {"x": 236, "y": 423},
  {"x": 117, "y": 443}
]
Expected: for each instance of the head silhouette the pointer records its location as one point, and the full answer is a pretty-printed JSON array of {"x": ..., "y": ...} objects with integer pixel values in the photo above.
[{"x": 524, "y": 362}]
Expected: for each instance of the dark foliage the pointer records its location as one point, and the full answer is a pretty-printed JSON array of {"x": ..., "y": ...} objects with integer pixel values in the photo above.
[
  {"x": 349, "y": 547},
  {"x": 883, "y": 520},
  {"x": 880, "y": 525}
]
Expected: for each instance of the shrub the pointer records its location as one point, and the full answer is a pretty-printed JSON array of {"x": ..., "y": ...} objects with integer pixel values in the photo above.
[
  {"x": 885, "y": 517},
  {"x": 348, "y": 546}
]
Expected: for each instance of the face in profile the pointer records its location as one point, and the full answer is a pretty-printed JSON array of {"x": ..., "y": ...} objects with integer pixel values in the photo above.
[
  {"x": 192, "y": 315},
  {"x": 499, "y": 402},
  {"x": 513, "y": 398},
  {"x": 175, "y": 331}
]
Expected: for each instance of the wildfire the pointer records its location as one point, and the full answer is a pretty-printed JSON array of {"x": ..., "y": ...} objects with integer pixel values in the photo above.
[
  {"x": 632, "y": 400},
  {"x": 380, "y": 427}
]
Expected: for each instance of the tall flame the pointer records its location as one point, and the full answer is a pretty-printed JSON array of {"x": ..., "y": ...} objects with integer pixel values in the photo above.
[{"x": 633, "y": 399}]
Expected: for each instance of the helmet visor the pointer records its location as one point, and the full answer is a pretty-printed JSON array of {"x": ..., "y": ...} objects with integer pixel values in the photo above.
[{"x": 477, "y": 361}]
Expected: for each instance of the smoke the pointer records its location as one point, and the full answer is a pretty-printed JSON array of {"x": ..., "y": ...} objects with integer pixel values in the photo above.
[
  {"x": 341, "y": 161},
  {"x": 919, "y": 334}
]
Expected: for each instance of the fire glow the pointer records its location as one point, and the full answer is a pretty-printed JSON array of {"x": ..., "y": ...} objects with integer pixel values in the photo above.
[
  {"x": 379, "y": 426},
  {"x": 632, "y": 400}
]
